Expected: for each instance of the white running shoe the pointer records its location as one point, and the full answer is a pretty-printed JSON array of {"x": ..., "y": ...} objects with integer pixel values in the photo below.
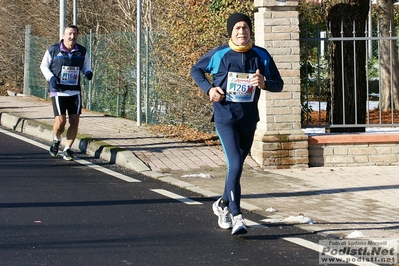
[
  {"x": 224, "y": 216},
  {"x": 239, "y": 226}
]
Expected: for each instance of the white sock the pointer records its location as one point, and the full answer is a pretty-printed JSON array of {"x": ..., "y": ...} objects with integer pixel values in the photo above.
[{"x": 67, "y": 148}]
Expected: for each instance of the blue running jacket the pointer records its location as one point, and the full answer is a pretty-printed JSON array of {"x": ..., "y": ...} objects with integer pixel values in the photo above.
[{"x": 221, "y": 60}]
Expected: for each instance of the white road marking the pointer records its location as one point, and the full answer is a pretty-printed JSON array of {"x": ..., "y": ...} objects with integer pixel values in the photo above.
[
  {"x": 319, "y": 248},
  {"x": 253, "y": 224},
  {"x": 78, "y": 160},
  {"x": 24, "y": 139},
  {"x": 106, "y": 171},
  {"x": 176, "y": 197}
]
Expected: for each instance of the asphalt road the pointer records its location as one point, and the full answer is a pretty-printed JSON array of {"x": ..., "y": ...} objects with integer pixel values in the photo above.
[{"x": 55, "y": 212}]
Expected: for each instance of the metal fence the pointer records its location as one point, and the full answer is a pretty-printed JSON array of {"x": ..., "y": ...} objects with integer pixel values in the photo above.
[
  {"x": 317, "y": 85},
  {"x": 113, "y": 89}
]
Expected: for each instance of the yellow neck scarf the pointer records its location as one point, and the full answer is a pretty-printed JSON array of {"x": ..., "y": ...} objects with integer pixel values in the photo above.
[{"x": 240, "y": 49}]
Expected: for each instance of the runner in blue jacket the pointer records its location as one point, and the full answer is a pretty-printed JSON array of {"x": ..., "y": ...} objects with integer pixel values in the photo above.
[{"x": 240, "y": 70}]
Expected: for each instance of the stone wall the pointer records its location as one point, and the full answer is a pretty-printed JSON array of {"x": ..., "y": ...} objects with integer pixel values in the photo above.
[{"x": 363, "y": 149}]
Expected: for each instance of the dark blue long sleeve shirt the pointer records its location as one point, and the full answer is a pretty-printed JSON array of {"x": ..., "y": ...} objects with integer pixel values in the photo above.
[{"x": 222, "y": 60}]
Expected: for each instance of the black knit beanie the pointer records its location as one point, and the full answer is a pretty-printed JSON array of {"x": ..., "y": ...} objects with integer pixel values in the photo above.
[{"x": 236, "y": 17}]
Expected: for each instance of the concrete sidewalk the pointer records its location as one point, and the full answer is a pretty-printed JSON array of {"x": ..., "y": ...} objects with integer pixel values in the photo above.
[{"x": 330, "y": 201}]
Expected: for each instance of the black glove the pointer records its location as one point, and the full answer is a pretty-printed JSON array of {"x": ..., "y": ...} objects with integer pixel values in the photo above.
[
  {"x": 54, "y": 84},
  {"x": 89, "y": 75}
]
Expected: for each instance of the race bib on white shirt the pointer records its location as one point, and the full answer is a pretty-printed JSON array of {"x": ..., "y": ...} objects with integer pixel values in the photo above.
[
  {"x": 239, "y": 87},
  {"x": 69, "y": 75}
]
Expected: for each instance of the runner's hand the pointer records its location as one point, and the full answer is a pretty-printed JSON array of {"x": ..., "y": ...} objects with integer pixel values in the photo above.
[
  {"x": 258, "y": 80},
  {"x": 54, "y": 84},
  {"x": 89, "y": 75},
  {"x": 216, "y": 94}
]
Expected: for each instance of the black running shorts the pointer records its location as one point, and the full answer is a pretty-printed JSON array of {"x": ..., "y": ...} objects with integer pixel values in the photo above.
[{"x": 62, "y": 104}]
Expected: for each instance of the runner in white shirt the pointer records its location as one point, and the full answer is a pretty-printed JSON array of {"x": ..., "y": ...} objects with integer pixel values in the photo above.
[{"x": 61, "y": 66}]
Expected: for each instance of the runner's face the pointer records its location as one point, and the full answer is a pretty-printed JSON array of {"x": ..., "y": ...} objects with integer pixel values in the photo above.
[
  {"x": 70, "y": 37},
  {"x": 241, "y": 33}
]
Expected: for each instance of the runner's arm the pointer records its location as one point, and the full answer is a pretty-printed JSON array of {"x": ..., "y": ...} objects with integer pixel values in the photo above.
[{"x": 45, "y": 66}]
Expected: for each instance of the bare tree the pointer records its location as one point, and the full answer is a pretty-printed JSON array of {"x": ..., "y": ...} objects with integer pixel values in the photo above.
[
  {"x": 15, "y": 15},
  {"x": 101, "y": 16},
  {"x": 389, "y": 75},
  {"x": 129, "y": 10}
]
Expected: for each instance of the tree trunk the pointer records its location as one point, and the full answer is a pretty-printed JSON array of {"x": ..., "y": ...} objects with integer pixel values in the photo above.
[
  {"x": 349, "y": 82},
  {"x": 389, "y": 79}
]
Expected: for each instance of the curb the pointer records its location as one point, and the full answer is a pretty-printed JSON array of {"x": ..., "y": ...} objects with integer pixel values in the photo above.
[{"x": 83, "y": 143}]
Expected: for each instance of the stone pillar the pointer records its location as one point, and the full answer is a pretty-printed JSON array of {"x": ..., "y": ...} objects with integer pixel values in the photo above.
[{"x": 279, "y": 140}]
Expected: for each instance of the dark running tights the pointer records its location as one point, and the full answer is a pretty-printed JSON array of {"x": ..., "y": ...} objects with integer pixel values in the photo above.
[{"x": 236, "y": 141}]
